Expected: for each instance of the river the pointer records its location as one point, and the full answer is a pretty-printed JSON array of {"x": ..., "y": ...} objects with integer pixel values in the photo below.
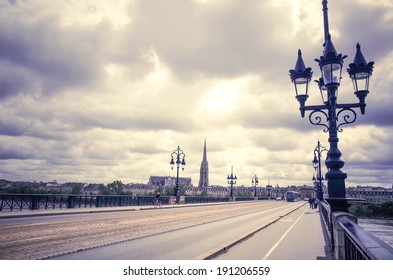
[{"x": 381, "y": 228}]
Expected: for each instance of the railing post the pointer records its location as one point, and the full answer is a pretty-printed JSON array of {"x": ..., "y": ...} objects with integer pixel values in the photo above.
[
  {"x": 70, "y": 201},
  {"x": 98, "y": 201},
  {"x": 34, "y": 202},
  {"x": 338, "y": 234}
]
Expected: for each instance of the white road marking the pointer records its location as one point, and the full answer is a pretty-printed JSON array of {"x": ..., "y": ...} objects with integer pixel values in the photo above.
[{"x": 282, "y": 237}]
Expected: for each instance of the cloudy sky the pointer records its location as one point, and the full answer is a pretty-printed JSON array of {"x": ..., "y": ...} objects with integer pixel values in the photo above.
[{"x": 96, "y": 91}]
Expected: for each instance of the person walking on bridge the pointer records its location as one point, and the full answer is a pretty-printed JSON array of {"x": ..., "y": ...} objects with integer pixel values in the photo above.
[{"x": 311, "y": 202}]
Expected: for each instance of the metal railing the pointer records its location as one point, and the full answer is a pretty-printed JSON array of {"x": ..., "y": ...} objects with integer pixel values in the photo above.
[
  {"x": 11, "y": 202},
  {"x": 204, "y": 199},
  {"x": 349, "y": 241},
  {"x": 325, "y": 212},
  {"x": 15, "y": 202}
]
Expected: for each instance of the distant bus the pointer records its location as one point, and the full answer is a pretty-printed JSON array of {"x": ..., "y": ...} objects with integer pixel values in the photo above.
[{"x": 292, "y": 196}]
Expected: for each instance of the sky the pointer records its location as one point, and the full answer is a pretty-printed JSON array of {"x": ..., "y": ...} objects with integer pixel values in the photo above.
[{"x": 99, "y": 90}]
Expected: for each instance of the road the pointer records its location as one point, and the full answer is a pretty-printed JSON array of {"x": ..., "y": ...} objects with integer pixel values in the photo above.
[
  {"x": 196, "y": 242},
  {"x": 166, "y": 233}
]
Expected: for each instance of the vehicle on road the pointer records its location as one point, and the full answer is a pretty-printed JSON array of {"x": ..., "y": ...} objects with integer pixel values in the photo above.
[{"x": 293, "y": 196}]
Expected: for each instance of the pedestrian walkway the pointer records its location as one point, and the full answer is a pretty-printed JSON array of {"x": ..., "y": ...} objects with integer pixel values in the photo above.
[
  {"x": 304, "y": 240},
  {"x": 296, "y": 236}
]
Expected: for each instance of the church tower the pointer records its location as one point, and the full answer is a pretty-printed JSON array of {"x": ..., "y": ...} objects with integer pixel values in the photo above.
[{"x": 204, "y": 173}]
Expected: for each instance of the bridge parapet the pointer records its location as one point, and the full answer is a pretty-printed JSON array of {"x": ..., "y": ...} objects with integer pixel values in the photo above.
[
  {"x": 12, "y": 202},
  {"x": 349, "y": 241}
]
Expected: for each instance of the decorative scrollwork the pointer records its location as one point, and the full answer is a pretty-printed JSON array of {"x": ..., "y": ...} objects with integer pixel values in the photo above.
[
  {"x": 349, "y": 116},
  {"x": 319, "y": 117}
]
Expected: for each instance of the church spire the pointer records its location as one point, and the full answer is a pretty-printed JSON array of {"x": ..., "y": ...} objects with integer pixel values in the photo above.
[
  {"x": 204, "y": 152},
  {"x": 204, "y": 172}
]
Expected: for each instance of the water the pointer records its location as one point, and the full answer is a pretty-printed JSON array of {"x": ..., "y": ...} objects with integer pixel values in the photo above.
[{"x": 383, "y": 229}]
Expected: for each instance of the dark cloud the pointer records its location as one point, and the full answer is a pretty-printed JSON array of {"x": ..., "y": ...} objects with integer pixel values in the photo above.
[
  {"x": 6, "y": 155},
  {"x": 370, "y": 25},
  {"x": 208, "y": 39},
  {"x": 57, "y": 57},
  {"x": 10, "y": 128},
  {"x": 379, "y": 114}
]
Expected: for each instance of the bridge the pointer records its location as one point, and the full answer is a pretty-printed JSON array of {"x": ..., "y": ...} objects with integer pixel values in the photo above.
[{"x": 195, "y": 230}]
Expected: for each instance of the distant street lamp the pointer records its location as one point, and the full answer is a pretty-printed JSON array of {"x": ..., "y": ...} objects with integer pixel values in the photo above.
[
  {"x": 231, "y": 181},
  {"x": 330, "y": 114},
  {"x": 317, "y": 166},
  {"x": 254, "y": 182},
  {"x": 178, "y": 154}
]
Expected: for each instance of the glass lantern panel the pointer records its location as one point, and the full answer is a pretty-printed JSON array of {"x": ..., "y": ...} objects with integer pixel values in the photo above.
[
  {"x": 360, "y": 84},
  {"x": 301, "y": 86},
  {"x": 331, "y": 73}
]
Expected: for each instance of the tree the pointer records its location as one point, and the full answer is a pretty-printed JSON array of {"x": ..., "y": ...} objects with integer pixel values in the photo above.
[
  {"x": 116, "y": 187},
  {"x": 76, "y": 189}
]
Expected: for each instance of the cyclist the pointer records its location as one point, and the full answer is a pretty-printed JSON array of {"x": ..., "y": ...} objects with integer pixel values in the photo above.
[{"x": 157, "y": 200}]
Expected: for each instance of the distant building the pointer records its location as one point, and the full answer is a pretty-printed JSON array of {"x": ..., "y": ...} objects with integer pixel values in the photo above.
[
  {"x": 92, "y": 189},
  {"x": 375, "y": 195},
  {"x": 138, "y": 189},
  {"x": 167, "y": 181}
]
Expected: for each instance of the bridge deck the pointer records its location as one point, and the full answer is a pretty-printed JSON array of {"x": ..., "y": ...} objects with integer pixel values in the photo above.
[{"x": 304, "y": 240}]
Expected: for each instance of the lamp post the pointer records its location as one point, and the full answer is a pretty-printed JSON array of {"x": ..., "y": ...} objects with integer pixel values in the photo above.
[
  {"x": 314, "y": 180},
  {"x": 317, "y": 166},
  {"x": 332, "y": 115},
  {"x": 254, "y": 182},
  {"x": 178, "y": 154},
  {"x": 231, "y": 181}
]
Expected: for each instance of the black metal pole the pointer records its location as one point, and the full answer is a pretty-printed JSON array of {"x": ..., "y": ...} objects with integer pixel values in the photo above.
[
  {"x": 325, "y": 19},
  {"x": 335, "y": 177},
  {"x": 231, "y": 180},
  {"x": 178, "y": 153},
  {"x": 177, "y": 177},
  {"x": 320, "y": 187},
  {"x": 318, "y": 152},
  {"x": 254, "y": 180}
]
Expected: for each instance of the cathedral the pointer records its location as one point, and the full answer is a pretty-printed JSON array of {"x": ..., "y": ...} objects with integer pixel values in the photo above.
[{"x": 204, "y": 173}]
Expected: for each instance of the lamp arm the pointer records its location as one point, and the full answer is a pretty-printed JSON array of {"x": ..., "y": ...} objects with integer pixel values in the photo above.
[
  {"x": 348, "y": 105},
  {"x": 314, "y": 107}
]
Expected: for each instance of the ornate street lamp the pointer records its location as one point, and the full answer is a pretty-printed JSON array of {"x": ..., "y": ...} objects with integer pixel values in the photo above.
[
  {"x": 317, "y": 166},
  {"x": 231, "y": 181},
  {"x": 254, "y": 182},
  {"x": 314, "y": 180},
  {"x": 332, "y": 115},
  {"x": 178, "y": 154}
]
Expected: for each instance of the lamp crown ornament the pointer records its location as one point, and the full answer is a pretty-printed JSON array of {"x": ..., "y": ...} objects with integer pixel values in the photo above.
[
  {"x": 359, "y": 67},
  {"x": 300, "y": 74}
]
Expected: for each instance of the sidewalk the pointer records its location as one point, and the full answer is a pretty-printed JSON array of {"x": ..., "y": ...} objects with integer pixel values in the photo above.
[
  {"x": 305, "y": 240},
  {"x": 296, "y": 236}
]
